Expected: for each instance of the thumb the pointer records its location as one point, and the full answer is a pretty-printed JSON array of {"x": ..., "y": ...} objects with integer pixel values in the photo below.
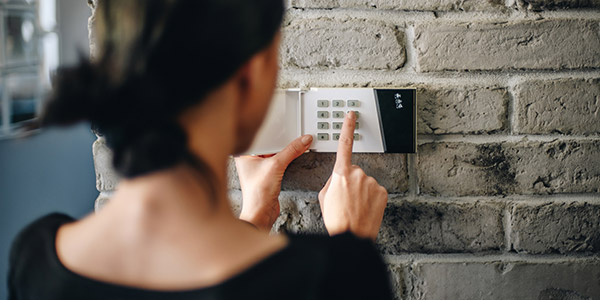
[{"x": 294, "y": 149}]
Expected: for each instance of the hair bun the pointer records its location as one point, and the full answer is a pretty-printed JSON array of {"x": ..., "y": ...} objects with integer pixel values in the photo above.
[{"x": 75, "y": 90}]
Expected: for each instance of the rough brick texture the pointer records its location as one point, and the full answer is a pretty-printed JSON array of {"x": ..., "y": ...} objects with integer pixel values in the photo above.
[
  {"x": 556, "y": 227},
  {"x": 538, "y": 45},
  {"x": 433, "y": 5},
  {"x": 502, "y": 200},
  {"x": 552, "y": 4},
  {"x": 300, "y": 212},
  {"x": 461, "y": 109},
  {"x": 447, "y": 5},
  {"x": 354, "y": 44},
  {"x": 462, "y": 169},
  {"x": 106, "y": 178},
  {"x": 439, "y": 226},
  {"x": 568, "y": 106},
  {"x": 576, "y": 279},
  {"x": 311, "y": 170}
]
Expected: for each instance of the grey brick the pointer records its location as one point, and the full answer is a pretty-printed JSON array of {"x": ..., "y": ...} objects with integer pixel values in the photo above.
[
  {"x": 551, "y": 4},
  {"x": 441, "y": 226},
  {"x": 429, "y": 5},
  {"x": 570, "y": 279},
  {"x": 106, "y": 177},
  {"x": 568, "y": 106},
  {"x": 233, "y": 181},
  {"x": 354, "y": 44},
  {"x": 235, "y": 201},
  {"x": 311, "y": 171},
  {"x": 454, "y": 109},
  {"x": 299, "y": 212},
  {"x": 543, "y": 44},
  {"x": 101, "y": 201},
  {"x": 408, "y": 226},
  {"x": 397, "y": 282},
  {"x": 557, "y": 167},
  {"x": 461, "y": 169},
  {"x": 91, "y": 28},
  {"x": 556, "y": 227}
]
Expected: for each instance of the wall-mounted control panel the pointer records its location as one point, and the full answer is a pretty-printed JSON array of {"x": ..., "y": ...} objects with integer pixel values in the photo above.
[{"x": 386, "y": 119}]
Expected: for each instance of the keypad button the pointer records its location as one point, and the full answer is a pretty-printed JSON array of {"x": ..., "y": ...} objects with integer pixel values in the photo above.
[
  {"x": 357, "y": 114},
  {"x": 323, "y": 125},
  {"x": 356, "y": 126},
  {"x": 322, "y": 103},
  {"x": 353, "y": 103},
  {"x": 356, "y": 136},
  {"x": 336, "y": 136},
  {"x": 323, "y": 136},
  {"x": 338, "y": 114},
  {"x": 337, "y": 125},
  {"x": 338, "y": 103},
  {"x": 323, "y": 114}
]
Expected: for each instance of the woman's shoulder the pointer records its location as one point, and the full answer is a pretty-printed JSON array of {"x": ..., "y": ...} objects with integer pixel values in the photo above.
[
  {"x": 41, "y": 227},
  {"x": 37, "y": 237}
]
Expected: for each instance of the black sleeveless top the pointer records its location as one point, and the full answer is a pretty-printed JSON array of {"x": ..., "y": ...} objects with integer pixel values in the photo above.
[{"x": 309, "y": 267}]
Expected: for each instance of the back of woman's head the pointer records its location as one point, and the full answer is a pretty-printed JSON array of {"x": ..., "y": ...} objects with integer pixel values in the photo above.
[{"x": 155, "y": 59}]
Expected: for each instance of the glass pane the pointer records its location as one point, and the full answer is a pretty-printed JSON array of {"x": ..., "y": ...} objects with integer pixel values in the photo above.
[
  {"x": 23, "y": 95},
  {"x": 20, "y": 38},
  {"x": 18, "y": 1}
]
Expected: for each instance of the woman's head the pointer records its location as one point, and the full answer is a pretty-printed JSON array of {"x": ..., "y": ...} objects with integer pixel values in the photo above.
[{"x": 155, "y": 60}]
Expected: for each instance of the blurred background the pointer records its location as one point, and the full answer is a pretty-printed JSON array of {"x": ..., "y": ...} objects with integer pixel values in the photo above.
[{"x": 50, "y": 170}]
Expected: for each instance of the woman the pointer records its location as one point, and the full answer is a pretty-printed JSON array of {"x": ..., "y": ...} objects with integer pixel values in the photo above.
[{"x": 179, "y": 85}]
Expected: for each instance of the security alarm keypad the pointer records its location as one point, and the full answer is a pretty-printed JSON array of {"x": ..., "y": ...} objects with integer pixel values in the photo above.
[
  {"x": 385, "y": 119},
  {"x": 324, "y": 127}
]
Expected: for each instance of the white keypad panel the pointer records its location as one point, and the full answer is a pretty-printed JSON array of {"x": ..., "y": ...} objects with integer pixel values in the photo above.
[{"x": 324, "y": 111}]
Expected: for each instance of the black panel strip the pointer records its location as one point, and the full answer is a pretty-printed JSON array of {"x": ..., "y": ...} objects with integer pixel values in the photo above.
[
  {"x": 397, "y": 111},
  {"x": 380, "y": 122}
]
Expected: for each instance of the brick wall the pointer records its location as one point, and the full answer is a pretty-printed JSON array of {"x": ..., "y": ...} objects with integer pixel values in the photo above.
[{"x": 502, "y": 200}]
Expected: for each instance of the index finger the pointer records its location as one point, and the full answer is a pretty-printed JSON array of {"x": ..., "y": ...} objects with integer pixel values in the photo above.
[{"x": 344, "y": 151}]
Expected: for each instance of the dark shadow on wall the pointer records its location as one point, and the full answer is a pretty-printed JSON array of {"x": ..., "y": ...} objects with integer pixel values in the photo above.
[{"x": 51, "y": 171}]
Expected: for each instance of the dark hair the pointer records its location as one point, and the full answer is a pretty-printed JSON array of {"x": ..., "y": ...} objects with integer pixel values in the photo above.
[{"x": 155, "y": 59}]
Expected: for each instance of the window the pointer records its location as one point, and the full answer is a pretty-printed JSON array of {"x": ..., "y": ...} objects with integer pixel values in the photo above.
[{"x": 28, "y": 53}]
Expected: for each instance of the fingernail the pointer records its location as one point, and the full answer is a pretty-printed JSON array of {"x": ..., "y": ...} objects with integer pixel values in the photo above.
[
  {"x": 307, "y": 139},
  {"x": 351, "y": 115}
]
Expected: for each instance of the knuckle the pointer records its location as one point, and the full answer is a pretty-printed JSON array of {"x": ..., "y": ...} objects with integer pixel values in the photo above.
[
  {"x": 383, "y": 189},
  {"x": 372, "y": 180},
  {"x": 345, "y": 140},
  {"x": 359, "y": 174},
  {"x": 384, "y": 193}
]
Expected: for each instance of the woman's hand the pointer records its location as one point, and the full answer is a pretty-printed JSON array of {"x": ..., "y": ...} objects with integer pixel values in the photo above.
[
  {"x": 351, "y": 200},
  {"x": 260, "y": 180}
]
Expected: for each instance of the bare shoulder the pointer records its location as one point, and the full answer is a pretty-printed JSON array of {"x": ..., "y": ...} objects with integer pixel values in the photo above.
[{"x": 162, "y": 259}]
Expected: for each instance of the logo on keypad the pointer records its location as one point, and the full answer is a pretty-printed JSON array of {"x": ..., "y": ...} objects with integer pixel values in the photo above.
[{"x": 398, "y": 99}]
